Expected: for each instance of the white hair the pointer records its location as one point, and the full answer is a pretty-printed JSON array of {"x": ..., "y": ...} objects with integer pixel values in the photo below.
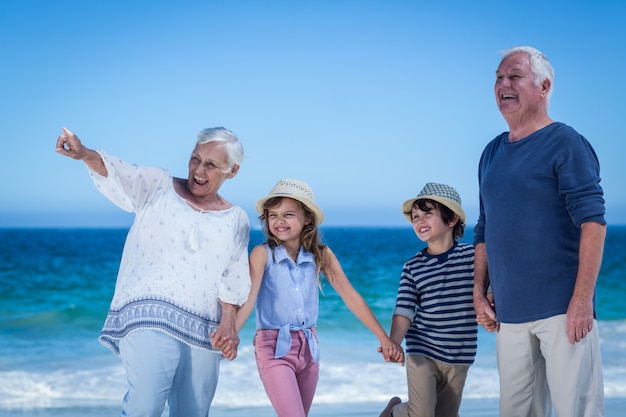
[
  {"x": 234, "y": 148},
  {"x": 539, "y": 64}
]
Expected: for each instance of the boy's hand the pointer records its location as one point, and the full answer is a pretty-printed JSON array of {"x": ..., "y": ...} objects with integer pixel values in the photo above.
[
  {"x": 486, "y": 313},
  {"x": 392, "y": 353}
]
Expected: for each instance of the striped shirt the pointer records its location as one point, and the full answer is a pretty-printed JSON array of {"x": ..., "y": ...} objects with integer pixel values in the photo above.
[{"x": 435, "y": 294}]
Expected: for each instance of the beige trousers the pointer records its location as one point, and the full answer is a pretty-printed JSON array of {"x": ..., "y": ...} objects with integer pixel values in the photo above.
[
  {"x": 539, "y": 367},
  {"x": 435, "y": 388}
]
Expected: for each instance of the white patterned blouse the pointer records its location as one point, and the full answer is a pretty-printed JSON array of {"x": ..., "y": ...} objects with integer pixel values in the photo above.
[{"x": 178, "y": 263}]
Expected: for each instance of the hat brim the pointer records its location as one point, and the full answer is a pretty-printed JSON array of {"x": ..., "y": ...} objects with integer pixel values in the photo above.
[
  {"x": 407, "y": 206},
  {"x": 317, "y": 211}
]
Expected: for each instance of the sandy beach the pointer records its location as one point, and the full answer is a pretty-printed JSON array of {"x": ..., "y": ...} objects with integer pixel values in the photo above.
[{"x": 469, "y": 408}]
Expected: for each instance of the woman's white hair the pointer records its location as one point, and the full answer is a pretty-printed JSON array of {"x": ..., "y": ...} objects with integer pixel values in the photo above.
[
  {"x": 234, "y": 148},
  {"x": 539, "y": 64}
]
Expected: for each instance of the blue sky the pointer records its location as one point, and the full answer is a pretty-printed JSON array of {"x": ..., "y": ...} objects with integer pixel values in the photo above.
[{"x": 365, "y": 100}]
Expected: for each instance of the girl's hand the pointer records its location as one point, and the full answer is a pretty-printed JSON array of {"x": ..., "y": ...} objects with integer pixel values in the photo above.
[{"x": 227, "y": 346}]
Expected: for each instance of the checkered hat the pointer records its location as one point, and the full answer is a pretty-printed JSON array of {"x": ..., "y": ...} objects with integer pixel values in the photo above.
[{"x": 440, "y": 193}]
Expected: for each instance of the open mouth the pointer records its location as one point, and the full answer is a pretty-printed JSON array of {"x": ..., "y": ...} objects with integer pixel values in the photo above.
[{"x": 199, "y": 180}]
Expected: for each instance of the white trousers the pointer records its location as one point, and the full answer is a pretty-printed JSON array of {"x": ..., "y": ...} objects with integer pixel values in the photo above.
[{"x": 539, "y": 368}]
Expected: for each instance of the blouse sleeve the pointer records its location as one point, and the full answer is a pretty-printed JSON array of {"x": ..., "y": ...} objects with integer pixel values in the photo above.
[
  {"x": 235, "y": 285},
  {"x": 130, "y": 187}
]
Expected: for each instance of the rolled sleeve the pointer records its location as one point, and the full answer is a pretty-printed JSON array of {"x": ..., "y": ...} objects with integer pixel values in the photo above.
[
  {"x": 404, "y": 312},
  {"x": 579, "y": 183}
]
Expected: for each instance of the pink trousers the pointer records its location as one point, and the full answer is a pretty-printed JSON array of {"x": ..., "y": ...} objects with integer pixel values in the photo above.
[{"x": 289, "y": 381}]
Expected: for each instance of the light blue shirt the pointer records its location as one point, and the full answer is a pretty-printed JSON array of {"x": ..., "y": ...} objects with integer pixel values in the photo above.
[{"x": 288, "y": 298}]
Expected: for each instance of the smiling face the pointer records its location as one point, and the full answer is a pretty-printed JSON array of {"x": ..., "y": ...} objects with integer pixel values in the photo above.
[
  {"x": 286, "y": 220},
  {"x": 430, "y": 227},
  {"x": 517, "y": 96},
  {"x": 208, "y": 169}
]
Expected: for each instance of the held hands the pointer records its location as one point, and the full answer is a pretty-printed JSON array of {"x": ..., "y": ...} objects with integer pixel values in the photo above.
[
  {"x": 392, "y": 352},
  {"x": 226, "y": 340},
  {"x": 485, "y": 312}
]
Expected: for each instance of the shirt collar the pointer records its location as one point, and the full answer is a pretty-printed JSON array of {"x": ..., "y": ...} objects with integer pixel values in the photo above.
[{"x": 280, "y": 254}]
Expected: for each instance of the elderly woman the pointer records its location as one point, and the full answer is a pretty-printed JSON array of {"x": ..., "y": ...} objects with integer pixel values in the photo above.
[{"x": 184, "y": 271}]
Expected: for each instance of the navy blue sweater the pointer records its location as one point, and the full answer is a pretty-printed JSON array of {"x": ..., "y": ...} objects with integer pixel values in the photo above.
[{"x": 534, "y": 195}]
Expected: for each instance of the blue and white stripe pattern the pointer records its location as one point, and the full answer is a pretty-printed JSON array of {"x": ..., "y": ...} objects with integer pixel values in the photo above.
[{"x": 435, "y": 294}]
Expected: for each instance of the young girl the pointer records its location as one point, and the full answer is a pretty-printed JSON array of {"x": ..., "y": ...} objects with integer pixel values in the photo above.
[{"x": 285, "y": 273}]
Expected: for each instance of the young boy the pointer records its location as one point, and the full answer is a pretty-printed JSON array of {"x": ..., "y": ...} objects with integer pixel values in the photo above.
[{"x": 434, "y": 309}]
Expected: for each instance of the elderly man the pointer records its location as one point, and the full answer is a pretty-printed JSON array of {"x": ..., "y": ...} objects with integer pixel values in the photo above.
[{"x": 539, "y": 242}]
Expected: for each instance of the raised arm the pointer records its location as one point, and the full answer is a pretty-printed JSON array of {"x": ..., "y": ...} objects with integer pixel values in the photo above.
[{"x": 69, "y": 145}]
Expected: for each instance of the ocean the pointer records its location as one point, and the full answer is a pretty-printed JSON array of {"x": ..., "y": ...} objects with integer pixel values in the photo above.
[{"x": 56, "y": 285}]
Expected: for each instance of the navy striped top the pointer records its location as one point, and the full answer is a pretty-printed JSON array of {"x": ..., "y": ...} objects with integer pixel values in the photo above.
[{"x": 436, "y": 295}]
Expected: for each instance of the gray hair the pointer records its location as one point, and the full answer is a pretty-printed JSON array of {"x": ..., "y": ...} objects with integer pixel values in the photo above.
[
  {"x": 539, "y": 64},
  {"x": 234, "y": 148}
]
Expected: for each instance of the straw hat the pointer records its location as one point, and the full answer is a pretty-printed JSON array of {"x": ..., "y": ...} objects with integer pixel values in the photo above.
[
  {"x": 298, "y": 190},
  {"x": 440, "y": 193}
]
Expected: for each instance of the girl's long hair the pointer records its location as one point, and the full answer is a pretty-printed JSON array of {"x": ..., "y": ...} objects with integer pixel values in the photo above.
[{"x": 310, "y": 237}]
